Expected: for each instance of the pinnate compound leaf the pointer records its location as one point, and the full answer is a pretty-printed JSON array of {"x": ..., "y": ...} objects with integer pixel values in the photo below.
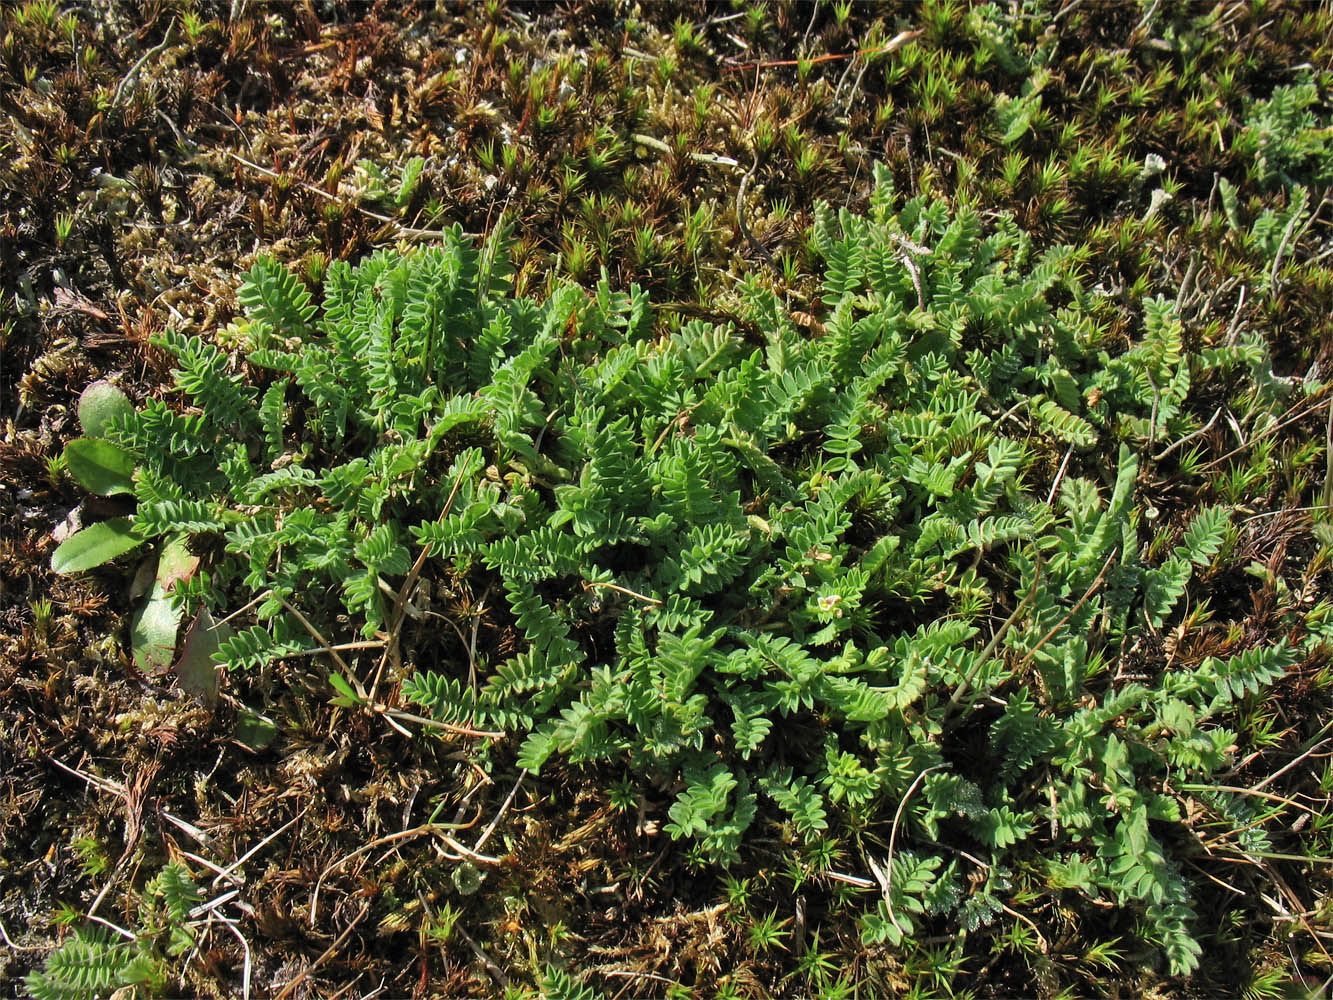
[
  {"x": 275, "y": 298},
  {"x": 1163, "y": 588},
  {"x": 1204, "y": 538},
  {"x": 93, "y": 962},
  {"x": 1249, "y": 671}
]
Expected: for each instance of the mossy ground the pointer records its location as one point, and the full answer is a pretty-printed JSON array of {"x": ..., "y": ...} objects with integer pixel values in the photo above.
[{"x": 152, "y": 151}]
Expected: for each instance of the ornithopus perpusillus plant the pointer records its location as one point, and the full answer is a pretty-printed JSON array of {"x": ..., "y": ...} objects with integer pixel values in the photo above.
[{"x": 783, "y": 568}]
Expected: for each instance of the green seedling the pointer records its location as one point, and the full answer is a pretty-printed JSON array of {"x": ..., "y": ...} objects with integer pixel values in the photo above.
[{"x": 64, "y": 228}]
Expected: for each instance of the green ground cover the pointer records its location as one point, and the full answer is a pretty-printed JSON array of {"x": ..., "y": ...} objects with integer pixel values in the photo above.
[{"x": 759, "y": 500}]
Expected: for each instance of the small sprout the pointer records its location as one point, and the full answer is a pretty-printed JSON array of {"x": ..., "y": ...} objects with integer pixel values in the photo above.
[
  {"x": 665, "y": 69},
  {"x": 55, "y": 469},
  {"x": 41, "y": 14},
  {"x": 1054, "y": 210},
  {"x": 808, "y": 162},
  {"x": 1012, "y": 171},
  {"x": 645, "y": 247},
  {"x": 569, "y": 181},
  {"x": 698, "y": 225},
  {"x": 43, "y": 614},
  {"x": 575, "y": 254},
  {"x": 315, "y": 264},
  {"x": 623, "y": 795},
  {"x": 631, "y": 214},
  {"x": 704, "y": 102},
  {"x": 1103, "y": 101},
  {"x": 64, "y": 227},
  {"x": 440, "y": 926},
  {"x": 518, "y": 72},
  {"x": 334, "y": 174},
  {"x": 486, "y": 157},
  {"x": 1048, "y": 178},
  {"x": 768, "y": 933},
  {"x": 755, "y": 17},
  {"x": 557, "y": 933},
  {"x": 509, "y": 158},
  {"x": 696, "y": 858},
  {"x": 884, "y": 113},
  {"x": 194, "y": 27},
  {"x": 92, "y": 857},
  {"x": 686, "y": 37},
  {"x": 764, "y": 137},
  {"x": 539, "y": 84},
  {"x": 738, "y": 893}
]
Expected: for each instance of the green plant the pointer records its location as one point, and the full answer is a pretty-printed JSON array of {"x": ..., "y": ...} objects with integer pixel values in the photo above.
[
  {"x": 557, "y": 984},
  {"x": 816, "y": 967},
  {"x": 64, "y": 227},
  {"x": 440, "y": 928},
  {"x": 92, "y": 857},
  {"x": 43, "y": 616},
  {"x": 94, "y": 961},
  {"x": 194, "y": 26},
  {"x": 1288, "y": 137},
  {"x": 738, "y": 896},
  {"x": 687, "y": 38},
  {"x": 754, "y": 563},
  {"x": 394, "y": 188},
  {"x": 767, "y": 932},
  {"x": 624, "y": 795}
]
